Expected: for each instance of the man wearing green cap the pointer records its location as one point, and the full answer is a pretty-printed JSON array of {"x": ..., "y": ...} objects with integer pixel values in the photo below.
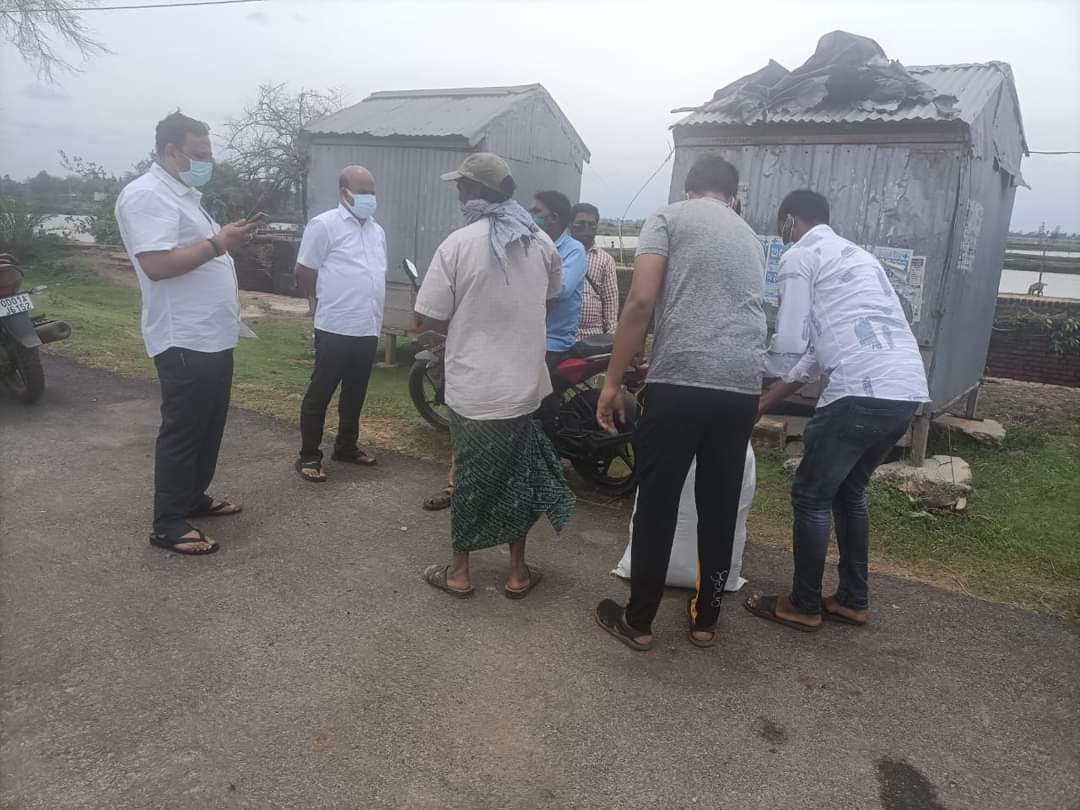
[{"x": 487, "y": 289}]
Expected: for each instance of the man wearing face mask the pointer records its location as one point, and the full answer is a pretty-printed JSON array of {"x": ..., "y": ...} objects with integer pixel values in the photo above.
[
  {"x": 839, "y": 318},
  {"x": 190, "y": 323},
  {"x": 600, "y": 293},
  {"x": 342, "y": 261}
]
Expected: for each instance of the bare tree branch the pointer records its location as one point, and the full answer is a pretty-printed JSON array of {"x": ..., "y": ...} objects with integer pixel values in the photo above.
[
  {"x": 264, "y": 143},
  {"x": 37, "y": 28}
]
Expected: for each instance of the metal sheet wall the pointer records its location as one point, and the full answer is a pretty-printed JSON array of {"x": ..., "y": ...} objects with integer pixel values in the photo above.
[
  {"x": 889, "y": 195},
  {"x": 900, "y": 195},
  {"x": 971, "y": 287},
  {"x": 416, "y": 209}
]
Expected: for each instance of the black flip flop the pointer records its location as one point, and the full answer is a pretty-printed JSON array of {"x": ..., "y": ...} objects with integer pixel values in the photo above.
[
  {"x": 300, "y": 466},
  {"x": 359, "y": 457},
  {"x": 217, "y": 510},
  {"x": 520, "y": 593},
  {"x": 435, "y": 576},
  {"x": 764, "y": 607},
  {"x": 170, "y": 544},
  {"x": 697, "y": 642},
  {"x": 612, "y": 617}
]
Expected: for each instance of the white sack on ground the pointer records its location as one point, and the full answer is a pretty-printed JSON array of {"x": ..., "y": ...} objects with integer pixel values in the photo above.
[{"x": 682, "y": 570}]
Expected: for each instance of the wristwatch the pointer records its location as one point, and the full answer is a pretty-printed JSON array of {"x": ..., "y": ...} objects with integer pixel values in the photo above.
[{"x": 218, "y": 250}]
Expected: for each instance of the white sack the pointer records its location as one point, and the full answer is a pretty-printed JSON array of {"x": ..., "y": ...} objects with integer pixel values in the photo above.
[{"x": 682, "y": 570}]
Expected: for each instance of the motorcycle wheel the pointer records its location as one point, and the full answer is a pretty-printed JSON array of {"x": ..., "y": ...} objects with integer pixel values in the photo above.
[
  {"x": 612, "y": 470},
  {"x": 424, "y": 395},
  {"x": 26, "y": 380}
]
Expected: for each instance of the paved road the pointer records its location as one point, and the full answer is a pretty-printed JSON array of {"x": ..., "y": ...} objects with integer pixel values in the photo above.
[{"x": 307, "y": 666}]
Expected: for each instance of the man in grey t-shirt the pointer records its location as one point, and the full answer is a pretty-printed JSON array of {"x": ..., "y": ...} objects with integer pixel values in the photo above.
[{"x": 700, "y": 269}]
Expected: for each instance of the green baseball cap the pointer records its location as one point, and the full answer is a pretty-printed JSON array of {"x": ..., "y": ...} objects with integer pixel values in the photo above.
[{"x": 485, "y": 168}]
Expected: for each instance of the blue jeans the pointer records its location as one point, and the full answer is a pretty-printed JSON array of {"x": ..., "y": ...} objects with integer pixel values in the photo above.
[{"x": 845, "y": 442}]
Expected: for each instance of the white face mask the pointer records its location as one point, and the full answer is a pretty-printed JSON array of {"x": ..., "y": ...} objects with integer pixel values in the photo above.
[
  {"x": 362, "y": 205},
  {"x": 789, "y": 226}
]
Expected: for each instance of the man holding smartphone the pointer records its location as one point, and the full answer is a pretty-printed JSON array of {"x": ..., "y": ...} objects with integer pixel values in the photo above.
[
  {"x": 190, "y": 323},
  {"x": 342, "y": 262}
]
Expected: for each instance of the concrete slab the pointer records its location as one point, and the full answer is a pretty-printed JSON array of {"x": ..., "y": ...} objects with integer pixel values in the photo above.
[
  {"x": 938, "y": 484},
  {"x": 307, "y": 666},
  {"x": 985, "y": 431}
]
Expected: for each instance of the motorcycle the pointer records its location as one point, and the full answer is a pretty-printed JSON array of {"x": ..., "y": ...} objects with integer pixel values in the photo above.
[
  {"x": 605, "y": 460},
  {"x": 21, "y": 334}
]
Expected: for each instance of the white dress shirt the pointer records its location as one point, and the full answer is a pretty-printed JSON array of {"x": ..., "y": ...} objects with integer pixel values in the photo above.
[
  {"x": 199, "y": 310},
  {"x": 351, "y": 259},
  {"x": 840, "y": 316}
]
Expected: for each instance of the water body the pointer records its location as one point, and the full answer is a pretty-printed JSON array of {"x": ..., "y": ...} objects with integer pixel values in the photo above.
[{"x": 1058, "y": 285}]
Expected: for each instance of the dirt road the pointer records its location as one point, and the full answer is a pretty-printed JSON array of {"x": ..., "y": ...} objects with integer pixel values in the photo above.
[{"x": 307, "y": 666}]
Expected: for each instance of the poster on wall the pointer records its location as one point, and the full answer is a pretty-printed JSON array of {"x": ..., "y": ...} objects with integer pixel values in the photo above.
[
  {"x": 774, "y": 248},
  {"x": 905, "y": 271},
  {"x": 916, "y": 276},
  {"x": 970, "y": 239}
]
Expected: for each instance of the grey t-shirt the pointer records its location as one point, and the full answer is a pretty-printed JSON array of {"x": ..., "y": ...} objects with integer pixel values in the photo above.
[{"x": 710, "y": 324}]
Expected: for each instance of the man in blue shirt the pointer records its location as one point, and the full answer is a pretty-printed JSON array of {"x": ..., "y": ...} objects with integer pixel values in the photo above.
[{"x": 552, "y": 212}]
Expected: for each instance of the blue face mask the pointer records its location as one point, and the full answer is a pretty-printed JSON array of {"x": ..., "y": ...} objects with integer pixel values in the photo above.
[
  {"x": 199, "y": 174},
  {"x": 363, "y": 205},
  {"x": 539, "y": 221}
]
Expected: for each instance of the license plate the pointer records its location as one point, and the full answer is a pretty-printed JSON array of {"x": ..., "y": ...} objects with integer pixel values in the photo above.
[{"x": 15, "y": 304}]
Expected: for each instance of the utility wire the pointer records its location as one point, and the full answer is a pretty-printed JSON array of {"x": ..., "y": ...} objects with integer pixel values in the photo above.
[
  {"x": 133, "y": 7},
  {"x": 1030, "y": 152}
]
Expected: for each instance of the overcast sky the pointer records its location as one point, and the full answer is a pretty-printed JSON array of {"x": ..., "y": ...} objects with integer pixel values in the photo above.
[{"x": 616, "y": 69}]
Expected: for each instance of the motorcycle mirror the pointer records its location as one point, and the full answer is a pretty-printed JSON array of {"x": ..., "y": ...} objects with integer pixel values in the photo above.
[{"x": 410, "y": 270}]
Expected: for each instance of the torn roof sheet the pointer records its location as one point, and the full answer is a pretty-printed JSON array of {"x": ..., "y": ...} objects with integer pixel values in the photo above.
[{"x": 972, "y": 85}]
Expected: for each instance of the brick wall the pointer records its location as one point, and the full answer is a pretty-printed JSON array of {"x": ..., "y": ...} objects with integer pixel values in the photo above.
[{"x": 1023, "y": 352}]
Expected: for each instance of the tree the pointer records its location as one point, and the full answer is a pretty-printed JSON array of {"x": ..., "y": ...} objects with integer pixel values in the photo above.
[
  {"x": 265, "y": 143},
  {"x": 37, "y": 27}
]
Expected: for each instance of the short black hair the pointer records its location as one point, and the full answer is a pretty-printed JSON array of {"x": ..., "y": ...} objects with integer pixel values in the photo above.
[
  {"x": 478, "y": 191},
  {"x": 809, "y": 206},
  {"x": 558, "y": 203},
  {"x": 585, "y": 208},
  {"x": 712, "y": 174},
  {"x": 174, "y": 128}
]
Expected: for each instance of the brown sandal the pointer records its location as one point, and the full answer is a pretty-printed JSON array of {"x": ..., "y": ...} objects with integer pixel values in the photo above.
[
  {"x": 216, "y": 508},
  {"x": 520, "y": 593},
  {"x": 764, "y": 607},
  {"x": 440, "y": 500},
  {"x": 318, "y": 478},
  {"x": 839, "y": 618},
  {"x": 435, "y": 576}
]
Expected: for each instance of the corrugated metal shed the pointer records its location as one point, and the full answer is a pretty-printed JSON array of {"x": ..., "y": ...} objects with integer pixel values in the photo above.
[
  {"x": 936, "y": 180},
  {"x": 457, "y": 113},
  {"x": 408, "y": 138}
]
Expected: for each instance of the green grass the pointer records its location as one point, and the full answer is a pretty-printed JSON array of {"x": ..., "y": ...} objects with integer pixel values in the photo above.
[
  {"x": 1018, "y": 541},
  {"x": 271, "y": 374}
]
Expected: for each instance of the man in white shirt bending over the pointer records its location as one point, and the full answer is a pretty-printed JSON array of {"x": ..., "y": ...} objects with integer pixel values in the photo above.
[
  {"x": 342, "y": 261},
  {"x": 190, "y": 323},
  {"x": 839, "y": 317}
]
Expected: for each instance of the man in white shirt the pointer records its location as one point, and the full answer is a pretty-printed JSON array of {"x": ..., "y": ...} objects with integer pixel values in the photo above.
[
  {"x": 839, "y": 317},
  {"x": 190, "y": 323},
  {"x": 487, "y": 289},
  {"x": 342, "y": 260}
]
